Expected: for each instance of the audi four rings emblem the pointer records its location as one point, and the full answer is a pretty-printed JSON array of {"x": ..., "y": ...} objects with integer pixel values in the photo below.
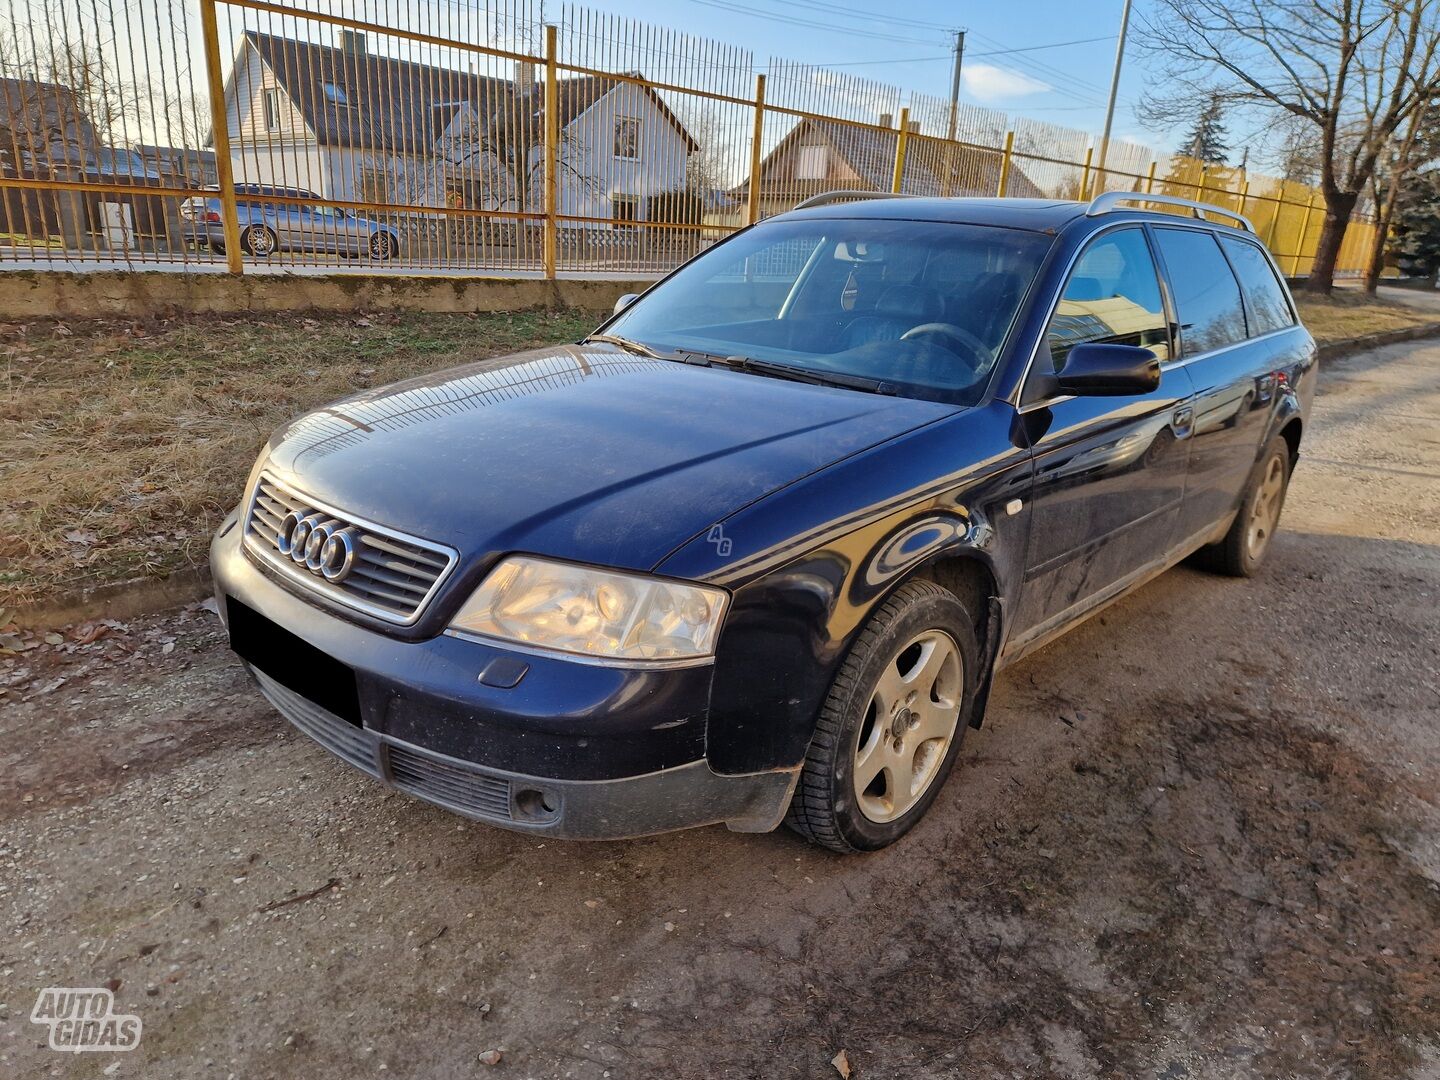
[{"x": 319, "y": 543}]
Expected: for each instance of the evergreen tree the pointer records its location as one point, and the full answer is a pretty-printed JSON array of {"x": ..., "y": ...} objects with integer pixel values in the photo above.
[
  {"x": 1206, "y": 140},
  {"x": 1415, "y": 229}
]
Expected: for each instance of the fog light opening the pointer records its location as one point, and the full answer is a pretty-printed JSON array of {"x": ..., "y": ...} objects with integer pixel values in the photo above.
[{"x": 533, "y": 805}]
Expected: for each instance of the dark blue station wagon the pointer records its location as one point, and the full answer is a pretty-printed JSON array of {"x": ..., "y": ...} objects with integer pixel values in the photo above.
[{"x": 753, "y": 552}]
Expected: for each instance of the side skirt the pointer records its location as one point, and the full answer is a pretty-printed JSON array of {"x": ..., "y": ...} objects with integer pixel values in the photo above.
[{"x": 1073, "y": 616}]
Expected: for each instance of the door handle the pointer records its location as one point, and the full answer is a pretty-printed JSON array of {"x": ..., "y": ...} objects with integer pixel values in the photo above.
[{"x": 1182, "y": 420}]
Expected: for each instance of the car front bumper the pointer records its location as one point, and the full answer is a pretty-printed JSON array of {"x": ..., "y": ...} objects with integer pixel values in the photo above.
[{"x": 572, "y": 750}]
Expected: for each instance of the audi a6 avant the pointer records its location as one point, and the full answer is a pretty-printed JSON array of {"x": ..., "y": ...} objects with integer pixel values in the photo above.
[{"x": 754, "y": 551}]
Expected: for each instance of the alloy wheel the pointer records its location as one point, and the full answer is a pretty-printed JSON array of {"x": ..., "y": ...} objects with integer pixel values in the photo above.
[
  {"x": 1265, "y": 509},
  {"x": 908, "y": 726},
  {"x": 259, "y": 241}
]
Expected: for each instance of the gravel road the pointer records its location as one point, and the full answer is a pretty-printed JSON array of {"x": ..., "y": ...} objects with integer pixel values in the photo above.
[{"x": 1198, "y": 837}]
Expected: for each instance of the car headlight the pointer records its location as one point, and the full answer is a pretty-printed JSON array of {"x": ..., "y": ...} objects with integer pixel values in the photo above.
[{"x": 610, "y": 616}]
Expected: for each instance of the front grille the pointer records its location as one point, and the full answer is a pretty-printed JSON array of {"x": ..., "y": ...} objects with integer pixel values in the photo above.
[
  {"x": 341, "y": 738},
  {"x": 412, "y": 770},
  {"x": 452, "y": 786},
  {"x": 393, "y": 575}
]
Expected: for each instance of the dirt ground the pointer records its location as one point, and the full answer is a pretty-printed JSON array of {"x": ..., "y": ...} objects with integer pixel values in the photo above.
[{"x": 1197, "y": 838}]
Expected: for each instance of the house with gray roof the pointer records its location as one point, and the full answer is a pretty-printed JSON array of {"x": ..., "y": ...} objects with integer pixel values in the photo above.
[
  {"x": 43, "y": 124},
  {"x": 351, "y": 124},
  {"x": 817, "y": 155}
]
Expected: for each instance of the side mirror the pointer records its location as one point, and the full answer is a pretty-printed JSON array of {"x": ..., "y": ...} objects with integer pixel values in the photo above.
[
  {"x": 1097, "y": 370},
  {"x": 625, "y": 301}
]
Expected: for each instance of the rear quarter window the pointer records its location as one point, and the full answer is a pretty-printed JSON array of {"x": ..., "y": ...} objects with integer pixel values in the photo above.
[
  {"x": 1207, "y": 297},
  {"x": 1264, "y": 298}
]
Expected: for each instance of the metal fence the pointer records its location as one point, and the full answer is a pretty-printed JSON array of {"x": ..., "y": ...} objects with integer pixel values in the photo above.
[{"x": 451, "y": 135}]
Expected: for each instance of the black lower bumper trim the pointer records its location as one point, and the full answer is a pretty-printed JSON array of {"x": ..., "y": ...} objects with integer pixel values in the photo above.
[{"x": 676, "y": 798}]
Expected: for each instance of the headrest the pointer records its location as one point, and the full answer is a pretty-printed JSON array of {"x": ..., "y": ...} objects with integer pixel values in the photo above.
[{"x": 909, "y": 301}]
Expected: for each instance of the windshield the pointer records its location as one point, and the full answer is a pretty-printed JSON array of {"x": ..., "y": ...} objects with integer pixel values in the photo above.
[{"x": 921, "y": 308}]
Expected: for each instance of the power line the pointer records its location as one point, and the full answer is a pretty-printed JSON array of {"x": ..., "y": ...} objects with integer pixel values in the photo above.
[
  {"x": 867, "y": 16},
  {"x": 895, "y": 60},
  {"x": 788, "y": 20},
  {"x": 1068, "y": 83},
  {"x": 1037, "y": 48}
]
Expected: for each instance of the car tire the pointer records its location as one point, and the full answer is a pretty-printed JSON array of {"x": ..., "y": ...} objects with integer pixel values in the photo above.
[
  {"x": 258, "y": 240},
  {"x": 905, "y": 743},
  {"x": 382, "y": 247},
  {"x": 217, "y": 249},
  {"x": 1243, "y": 549}
]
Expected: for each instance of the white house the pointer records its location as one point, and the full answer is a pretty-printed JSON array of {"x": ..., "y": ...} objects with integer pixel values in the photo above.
[{"x": 352, "y": 125}]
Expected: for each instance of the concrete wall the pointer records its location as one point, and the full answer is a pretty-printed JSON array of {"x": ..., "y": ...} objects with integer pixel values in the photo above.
[{"x": 39, "y": 294}]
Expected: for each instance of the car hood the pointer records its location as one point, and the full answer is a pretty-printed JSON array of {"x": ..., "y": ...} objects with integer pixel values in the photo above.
[{"x": 579, "y": 452}]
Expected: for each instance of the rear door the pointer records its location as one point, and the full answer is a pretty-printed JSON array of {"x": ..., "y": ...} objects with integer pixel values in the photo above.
[
  {"x": 1109, "y": 471},
  {"x": 1227, "y": 341}
]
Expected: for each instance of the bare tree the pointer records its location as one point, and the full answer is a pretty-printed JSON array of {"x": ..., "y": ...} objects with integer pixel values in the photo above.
[
  {"x": 1296, "y": 157},
  {"x": 712, "y": 165},
  {"x": 1352, "y": 70},
  {"x": 1419, "y": 146},
  {"x": 504, "y": 151},
  {"x": 68, "y": 98}
]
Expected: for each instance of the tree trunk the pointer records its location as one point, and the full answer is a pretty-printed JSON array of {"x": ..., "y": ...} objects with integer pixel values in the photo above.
[
  {"x": 1339, "y": 205},
  {"x": 1376, "y": 264}
]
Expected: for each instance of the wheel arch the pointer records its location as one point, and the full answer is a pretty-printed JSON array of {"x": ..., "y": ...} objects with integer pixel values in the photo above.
[
  {"x": 973, "y": 582},
  {"x": 1291, "y": 432},
  {"x": 970, "y": 576}
]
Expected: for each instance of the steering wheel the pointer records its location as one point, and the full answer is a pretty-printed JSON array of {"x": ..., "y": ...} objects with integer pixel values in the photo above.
[{"x": 980, "y": 357}]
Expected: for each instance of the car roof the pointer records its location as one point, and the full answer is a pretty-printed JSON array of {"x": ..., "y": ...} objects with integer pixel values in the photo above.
[{"x": 1039, "y": 215}]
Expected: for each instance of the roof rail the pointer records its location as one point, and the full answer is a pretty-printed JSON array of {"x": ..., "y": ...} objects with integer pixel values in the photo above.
[
  {"x": 1109, "y": 200},
  {"x": 828, "y": 197}
]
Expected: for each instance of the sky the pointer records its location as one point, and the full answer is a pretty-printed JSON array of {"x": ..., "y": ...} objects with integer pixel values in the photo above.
[
  {"x": 1064, "y": 84},
  {"x": 1041, "y": 59}
]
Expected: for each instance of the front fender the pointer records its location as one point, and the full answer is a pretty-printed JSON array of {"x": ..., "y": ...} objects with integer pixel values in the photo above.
[{"x": 808, "y": 566}]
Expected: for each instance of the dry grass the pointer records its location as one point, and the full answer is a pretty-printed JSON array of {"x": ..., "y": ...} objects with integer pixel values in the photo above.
[
  {"x": 123, "y": 445},
  {"x": 1346, "y": 314}
]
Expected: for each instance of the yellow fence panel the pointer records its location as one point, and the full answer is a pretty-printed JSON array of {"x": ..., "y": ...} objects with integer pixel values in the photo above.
[{"x": 455, "y": 136}]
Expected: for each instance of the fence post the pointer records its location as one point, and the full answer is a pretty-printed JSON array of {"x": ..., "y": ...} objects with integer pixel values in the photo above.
[
  {"x": 1202, "y": 187},
  {"x": 220, "y": 130},
  {"x": 551, "y": 244},
  {"x": 1150, "y": 178},
  {"x": 1300, "y": 240},
  {"x": 1274, "y": 226},
  {"x": 1244, "y": 195},
  {"x": 1085, "y": 174},
  {"x": 752, "y": 211},
  {"x": 1004, "y": 185},
  {"x": 897, "y": 180}
]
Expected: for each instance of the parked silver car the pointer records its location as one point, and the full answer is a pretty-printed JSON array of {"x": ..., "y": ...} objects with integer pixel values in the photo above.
[{"x": 268, "y": 226}]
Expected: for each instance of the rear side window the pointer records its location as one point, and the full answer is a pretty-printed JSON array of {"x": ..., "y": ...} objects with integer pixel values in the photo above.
[
  {"x": 1112, "y": 297},
  {"x": 1263, "y": 294},
  {"x": 1207, "y": 298}
]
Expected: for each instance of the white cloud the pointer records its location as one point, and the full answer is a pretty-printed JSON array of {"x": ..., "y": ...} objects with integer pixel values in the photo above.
[{"x": 987, "y": 83}]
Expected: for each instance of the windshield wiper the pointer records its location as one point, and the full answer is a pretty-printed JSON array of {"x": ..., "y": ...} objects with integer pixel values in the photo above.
[
  {"x": 805, "y": 375},
  {"x": 639, "y": 348}
]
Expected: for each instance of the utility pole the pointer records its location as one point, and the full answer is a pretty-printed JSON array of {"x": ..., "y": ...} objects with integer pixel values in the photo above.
[
  {"x": 955, "y": 83},
  {"x": 947, "y": 182},
  {"x": 1114, "y": 89}
]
